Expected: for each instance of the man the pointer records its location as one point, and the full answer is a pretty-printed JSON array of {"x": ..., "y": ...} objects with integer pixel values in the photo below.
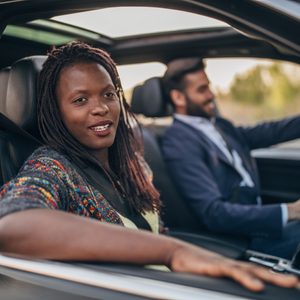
[{"x": 210, "y": 162}]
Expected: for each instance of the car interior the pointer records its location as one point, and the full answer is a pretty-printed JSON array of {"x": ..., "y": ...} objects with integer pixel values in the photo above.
[
  {"x": 185, "y": 225},
  {"x": 19, "y": 137},
  {"x": 19, "y": 134},
  {"x": 149, "y": 99},
  {"x": 16, "y": 146}
]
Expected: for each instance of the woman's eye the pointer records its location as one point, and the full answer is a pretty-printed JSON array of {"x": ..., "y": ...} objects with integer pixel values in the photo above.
[
  {"x": 80, "y": 100},
  {"x": 111, "y": 94}
]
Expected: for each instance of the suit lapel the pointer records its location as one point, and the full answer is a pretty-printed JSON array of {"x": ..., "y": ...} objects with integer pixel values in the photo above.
[
  {"x": 213, "y": 149},
  {"x": 248, "y": 162}
]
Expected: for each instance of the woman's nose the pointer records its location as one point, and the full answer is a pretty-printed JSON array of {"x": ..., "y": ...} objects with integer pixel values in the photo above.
[{"x": 100, "y": 109}]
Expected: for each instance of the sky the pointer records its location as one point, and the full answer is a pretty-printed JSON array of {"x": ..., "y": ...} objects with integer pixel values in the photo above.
[{"x": 116, "y": 22}]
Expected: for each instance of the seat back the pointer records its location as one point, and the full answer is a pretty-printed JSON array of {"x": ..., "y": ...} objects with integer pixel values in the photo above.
[
  {"x": 18, "y": 122},
  {"x": 150, "y": 100},
  {"x": 22, "y": 92},
  {"x": 175, "y": 214}
]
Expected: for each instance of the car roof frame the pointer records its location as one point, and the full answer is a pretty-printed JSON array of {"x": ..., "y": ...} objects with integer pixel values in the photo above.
[{"x": 222, "y": 10}]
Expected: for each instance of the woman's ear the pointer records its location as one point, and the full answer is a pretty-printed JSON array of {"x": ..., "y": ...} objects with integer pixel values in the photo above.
[{"x": 178, "y": 99}]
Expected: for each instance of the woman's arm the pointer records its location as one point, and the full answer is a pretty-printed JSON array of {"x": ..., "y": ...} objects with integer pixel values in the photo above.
[{"x": 51, "y": 234}]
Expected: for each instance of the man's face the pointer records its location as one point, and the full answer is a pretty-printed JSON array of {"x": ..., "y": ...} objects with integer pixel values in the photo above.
[{"x": 198, "y": 96}]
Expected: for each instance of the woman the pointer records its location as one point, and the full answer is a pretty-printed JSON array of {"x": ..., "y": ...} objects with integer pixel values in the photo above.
[{"x": 90, "y": 167}]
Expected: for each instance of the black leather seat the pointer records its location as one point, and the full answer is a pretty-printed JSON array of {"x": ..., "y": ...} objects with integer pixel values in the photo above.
[
  {"x": 21, "y": 93},
  {"x": 19, "y": 134},
  {"x": 150, "y": 100}
]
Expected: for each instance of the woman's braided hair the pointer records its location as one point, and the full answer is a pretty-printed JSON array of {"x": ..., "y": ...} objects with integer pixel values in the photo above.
[{"x": 140, "y": 193}]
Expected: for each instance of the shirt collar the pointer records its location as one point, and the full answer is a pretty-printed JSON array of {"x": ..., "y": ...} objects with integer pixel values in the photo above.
[{"x": 193, "y": 119}]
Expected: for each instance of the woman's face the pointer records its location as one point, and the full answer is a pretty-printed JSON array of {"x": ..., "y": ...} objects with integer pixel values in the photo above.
[{"x": 89, "y": 105}]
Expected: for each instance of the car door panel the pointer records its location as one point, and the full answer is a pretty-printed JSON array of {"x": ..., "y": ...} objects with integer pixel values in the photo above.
[{"x": 279, "y": 172}]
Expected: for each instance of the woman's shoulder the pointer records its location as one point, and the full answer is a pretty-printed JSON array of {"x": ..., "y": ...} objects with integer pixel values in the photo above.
[
  {"x": 46, "y": 158},
  {"x": 46, "y": 151},
  {"x": 48, "y": 165}
]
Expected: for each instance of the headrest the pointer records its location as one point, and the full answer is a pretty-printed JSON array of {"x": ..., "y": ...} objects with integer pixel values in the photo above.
[
  {"x": 150, "y": 100},
  {"x": 21, "y": 95}
]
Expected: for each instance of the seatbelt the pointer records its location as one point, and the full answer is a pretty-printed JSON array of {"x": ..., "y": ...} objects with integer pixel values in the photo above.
[
  {"x": 11, "y": 127},
  {"x": 99, "y": 180}
]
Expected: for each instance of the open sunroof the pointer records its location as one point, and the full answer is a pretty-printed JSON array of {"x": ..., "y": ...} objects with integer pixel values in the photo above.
[{"x": 128, "y": 21}]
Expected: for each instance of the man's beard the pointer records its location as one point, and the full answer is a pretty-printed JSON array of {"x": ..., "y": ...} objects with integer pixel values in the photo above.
[{"x": 195, "y": 110}]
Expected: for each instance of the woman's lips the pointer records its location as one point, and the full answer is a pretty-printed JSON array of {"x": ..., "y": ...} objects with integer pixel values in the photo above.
[{"x": 103, "y": 129}]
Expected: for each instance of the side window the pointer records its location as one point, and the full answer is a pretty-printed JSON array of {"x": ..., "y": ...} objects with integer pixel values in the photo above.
[
  {"x": 247, "y": 90},
  {"x": 135, "y": 74},
  {"x": 254, "y": 90}
]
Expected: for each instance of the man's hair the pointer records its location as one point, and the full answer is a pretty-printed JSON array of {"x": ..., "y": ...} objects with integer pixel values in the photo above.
[
  {"x": 176, "y": 71},
  {"x": 123, "y": 154}
]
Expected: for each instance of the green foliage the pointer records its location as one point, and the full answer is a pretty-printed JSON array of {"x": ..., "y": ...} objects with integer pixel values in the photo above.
[
  {"x": 249, "y": 87},
  {"x": 283, "y": 90},
  {"x": 271, "y": 86}
]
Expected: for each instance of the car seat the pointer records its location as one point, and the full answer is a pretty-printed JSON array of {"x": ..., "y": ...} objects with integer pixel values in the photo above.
[
  {"x": 18, "y": 130},
  {"x": 150, "y": 100}
]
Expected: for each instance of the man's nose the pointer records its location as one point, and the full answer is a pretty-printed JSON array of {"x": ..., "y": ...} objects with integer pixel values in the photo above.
[{"x": 210, "y": 94}]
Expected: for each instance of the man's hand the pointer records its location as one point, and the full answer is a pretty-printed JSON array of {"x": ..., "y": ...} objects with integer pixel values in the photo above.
[{"x": 294, "y": 211}]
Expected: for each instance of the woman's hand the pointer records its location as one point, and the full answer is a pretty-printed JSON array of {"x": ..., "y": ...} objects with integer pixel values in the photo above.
[
  {"x": 196, "y": 260},
  {"x": 77, "y": 238}
]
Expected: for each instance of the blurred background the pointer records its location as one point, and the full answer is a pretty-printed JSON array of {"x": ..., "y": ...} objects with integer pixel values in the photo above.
[{"x": 247, "y": 90}]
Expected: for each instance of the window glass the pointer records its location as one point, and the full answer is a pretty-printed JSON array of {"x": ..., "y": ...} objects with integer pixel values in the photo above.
[
  {"x": 125, "y": 21},
  {"x": 252, "y": 90},
  {"x": 36, "y": 35},
  {"x": 247, "y": 90}
]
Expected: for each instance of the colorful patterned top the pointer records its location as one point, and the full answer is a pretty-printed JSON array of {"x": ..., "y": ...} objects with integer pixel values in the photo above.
[{"x": 48, "y": 179}]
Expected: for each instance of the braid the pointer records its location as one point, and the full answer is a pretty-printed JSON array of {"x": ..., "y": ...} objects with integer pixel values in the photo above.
[{"x": 123, "y": 154}]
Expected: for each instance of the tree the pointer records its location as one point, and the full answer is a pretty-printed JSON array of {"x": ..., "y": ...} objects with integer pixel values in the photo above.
[
  {"x": 272, "y": 86},
  {"x": 249, "y": 87}
]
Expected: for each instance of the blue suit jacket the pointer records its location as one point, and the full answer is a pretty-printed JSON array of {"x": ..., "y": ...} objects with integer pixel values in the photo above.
[{"x": 210, "y": 184}]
